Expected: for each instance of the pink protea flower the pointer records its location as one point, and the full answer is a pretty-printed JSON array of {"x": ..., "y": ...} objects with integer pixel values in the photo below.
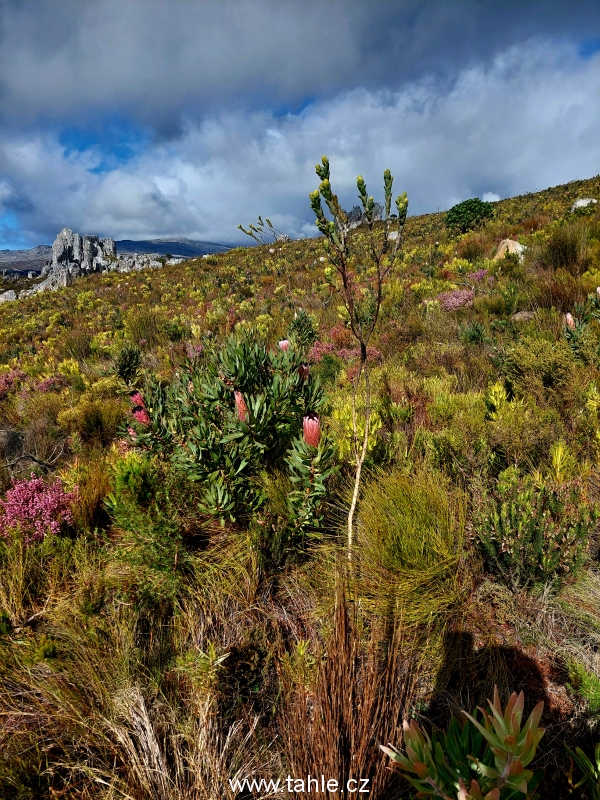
[
  {"x": 569, "y": 321},
  {"x": 284, "y": 344},
  {"x": 598, "y": 290},
  {"x": 303, "y": 371},
  {"x": 312, "y": 429},
  {"x": 141, "y": 415},
  {"x": 131, "y": 432},
  {"x": 241, "y": 409},
  {"x": 137, "y": 399}
]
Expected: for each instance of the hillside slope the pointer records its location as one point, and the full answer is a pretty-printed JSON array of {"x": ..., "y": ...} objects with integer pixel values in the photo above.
[{"x": 185, "y": 613}]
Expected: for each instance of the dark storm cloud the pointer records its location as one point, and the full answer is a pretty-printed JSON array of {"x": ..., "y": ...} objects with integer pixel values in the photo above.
[
  {"x": 525, "y": 121},
  {"x": 156, "y": 61},
  {"x": 135, "y": 119}
]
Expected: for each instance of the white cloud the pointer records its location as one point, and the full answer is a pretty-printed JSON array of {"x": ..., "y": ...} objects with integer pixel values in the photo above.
[
  {"x": 526, "y": 121},
  {"x": 490, "y": 197}
]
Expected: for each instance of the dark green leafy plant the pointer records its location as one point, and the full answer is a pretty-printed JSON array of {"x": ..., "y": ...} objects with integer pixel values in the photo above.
[
  {"x": 467, "y": 215},
  {"x": 128, "y": 363},
  {"x": 231, "y": 415},
  {"x": 484, "y": 759},
  {"x": 535, "y": 533},
  {"x": 303, "y": 328}
]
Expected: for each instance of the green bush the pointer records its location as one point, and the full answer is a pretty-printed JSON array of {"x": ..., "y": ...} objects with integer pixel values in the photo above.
[
  {"x": 467, "y": 215},
  {"x": 585, "y": 684},
  {"x": 540, "y": 367},
  {"x": 150, "y": 544},
  {"x": 128, "y": 363},
  {"x": 230, "y": 416},
  {"x": 534, "y": 534}
]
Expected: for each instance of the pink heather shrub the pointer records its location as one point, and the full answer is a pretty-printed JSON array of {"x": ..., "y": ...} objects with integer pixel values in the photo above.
[
  {"x": 53, "y": 383},
  {"x": 9, "y": 380},
  {"x": 480, "y": 275},
  {"x": 36, "y": 509},
  {"x": 459, "y": 298},
  {"x": 320, "y": 349},
  {"x": 193, "y": 351}
]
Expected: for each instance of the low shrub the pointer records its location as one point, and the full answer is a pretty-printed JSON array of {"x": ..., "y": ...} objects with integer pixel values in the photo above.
[
  {"x": 34, "y": 509},
  {"x": 534, "y": 534},
  {"x": 488, "y": 752},
  {"x": 584, "y": 684}
]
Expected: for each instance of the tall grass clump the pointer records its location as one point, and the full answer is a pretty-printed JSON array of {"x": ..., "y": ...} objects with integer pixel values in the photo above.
[{"x": 411, "y": 547}]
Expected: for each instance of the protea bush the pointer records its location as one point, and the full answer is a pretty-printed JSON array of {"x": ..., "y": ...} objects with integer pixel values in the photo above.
[{"x": 235, "y": 414}]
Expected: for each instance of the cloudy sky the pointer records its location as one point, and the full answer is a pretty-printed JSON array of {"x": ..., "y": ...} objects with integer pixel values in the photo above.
[{"x": 153, "y": 118}]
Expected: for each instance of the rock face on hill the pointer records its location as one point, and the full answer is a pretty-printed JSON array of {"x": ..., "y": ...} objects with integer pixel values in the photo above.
[
  {"x": 80, "y": 254},
  {"x": 74, "y": 255}
]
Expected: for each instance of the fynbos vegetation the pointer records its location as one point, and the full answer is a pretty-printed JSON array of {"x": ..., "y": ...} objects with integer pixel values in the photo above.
[{"x": 190, "y": 456}]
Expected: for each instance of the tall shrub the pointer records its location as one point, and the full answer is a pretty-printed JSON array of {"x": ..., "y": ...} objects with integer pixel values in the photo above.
[{"x": 361, "y": 266}]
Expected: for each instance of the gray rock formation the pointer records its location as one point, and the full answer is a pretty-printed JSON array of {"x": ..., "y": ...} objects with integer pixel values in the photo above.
[
  {"x": 583, "y": 202},
  {"x": 78, "y": 254},
  {"x": 74, "y": 256}
]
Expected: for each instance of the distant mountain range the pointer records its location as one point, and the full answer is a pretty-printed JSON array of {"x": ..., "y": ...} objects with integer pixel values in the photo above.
[
  {"x": 35, "y": 258},
  {"x": 186, "y": 248}
]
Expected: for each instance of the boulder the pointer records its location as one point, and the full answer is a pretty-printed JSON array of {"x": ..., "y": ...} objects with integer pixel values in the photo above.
[
  {"x": 512, "y": 247},
  {"x": 583, "y": 202},
  {"x": 6, "y": 296},
  {"x": 523, "y": 316}
]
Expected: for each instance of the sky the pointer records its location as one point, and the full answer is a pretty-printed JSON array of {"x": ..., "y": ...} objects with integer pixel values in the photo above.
[{"x": 143, "y": 119}]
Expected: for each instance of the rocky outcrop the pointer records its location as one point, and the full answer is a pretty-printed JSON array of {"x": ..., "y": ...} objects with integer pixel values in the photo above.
[
  {"x": 78, "y": 254},
  {"x": 583, "y": 202},
  {"x": 510, "y": 246},
  {"x": 74, "y": 256}
]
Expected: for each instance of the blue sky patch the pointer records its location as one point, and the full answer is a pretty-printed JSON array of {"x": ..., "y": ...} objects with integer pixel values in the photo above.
[
  {"x": 589, "y": 47},
  {"x": 115, "y": 141}
]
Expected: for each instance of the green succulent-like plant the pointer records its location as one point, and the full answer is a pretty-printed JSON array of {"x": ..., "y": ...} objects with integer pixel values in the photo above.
[
  {"x": 589, "y": 768},
  {"x": 483, "y": 759},
  {"x": 535, "y": 532}
]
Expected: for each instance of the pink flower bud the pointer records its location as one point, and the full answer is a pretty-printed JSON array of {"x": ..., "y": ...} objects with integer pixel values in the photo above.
[
  {"x": 598, "y": 290},
  {"x": 141, "y": 415},
  {"x": 137, "y": 399},
  {"x": 312, "y": 429},
  {"x": 569, "y": 321},
  {"x": 303, "y": 371},
  {"x": 241, "y": 409},
  {"x": 284, "y": 344}
]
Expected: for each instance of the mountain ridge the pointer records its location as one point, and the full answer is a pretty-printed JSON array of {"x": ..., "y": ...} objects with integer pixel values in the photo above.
[{"x": 35, "y": 258}]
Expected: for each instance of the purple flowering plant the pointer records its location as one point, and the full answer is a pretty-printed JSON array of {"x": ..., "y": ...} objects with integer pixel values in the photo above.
[
  {"x": 36, "y": 509},
  {"x": 459, "y": 298}
]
